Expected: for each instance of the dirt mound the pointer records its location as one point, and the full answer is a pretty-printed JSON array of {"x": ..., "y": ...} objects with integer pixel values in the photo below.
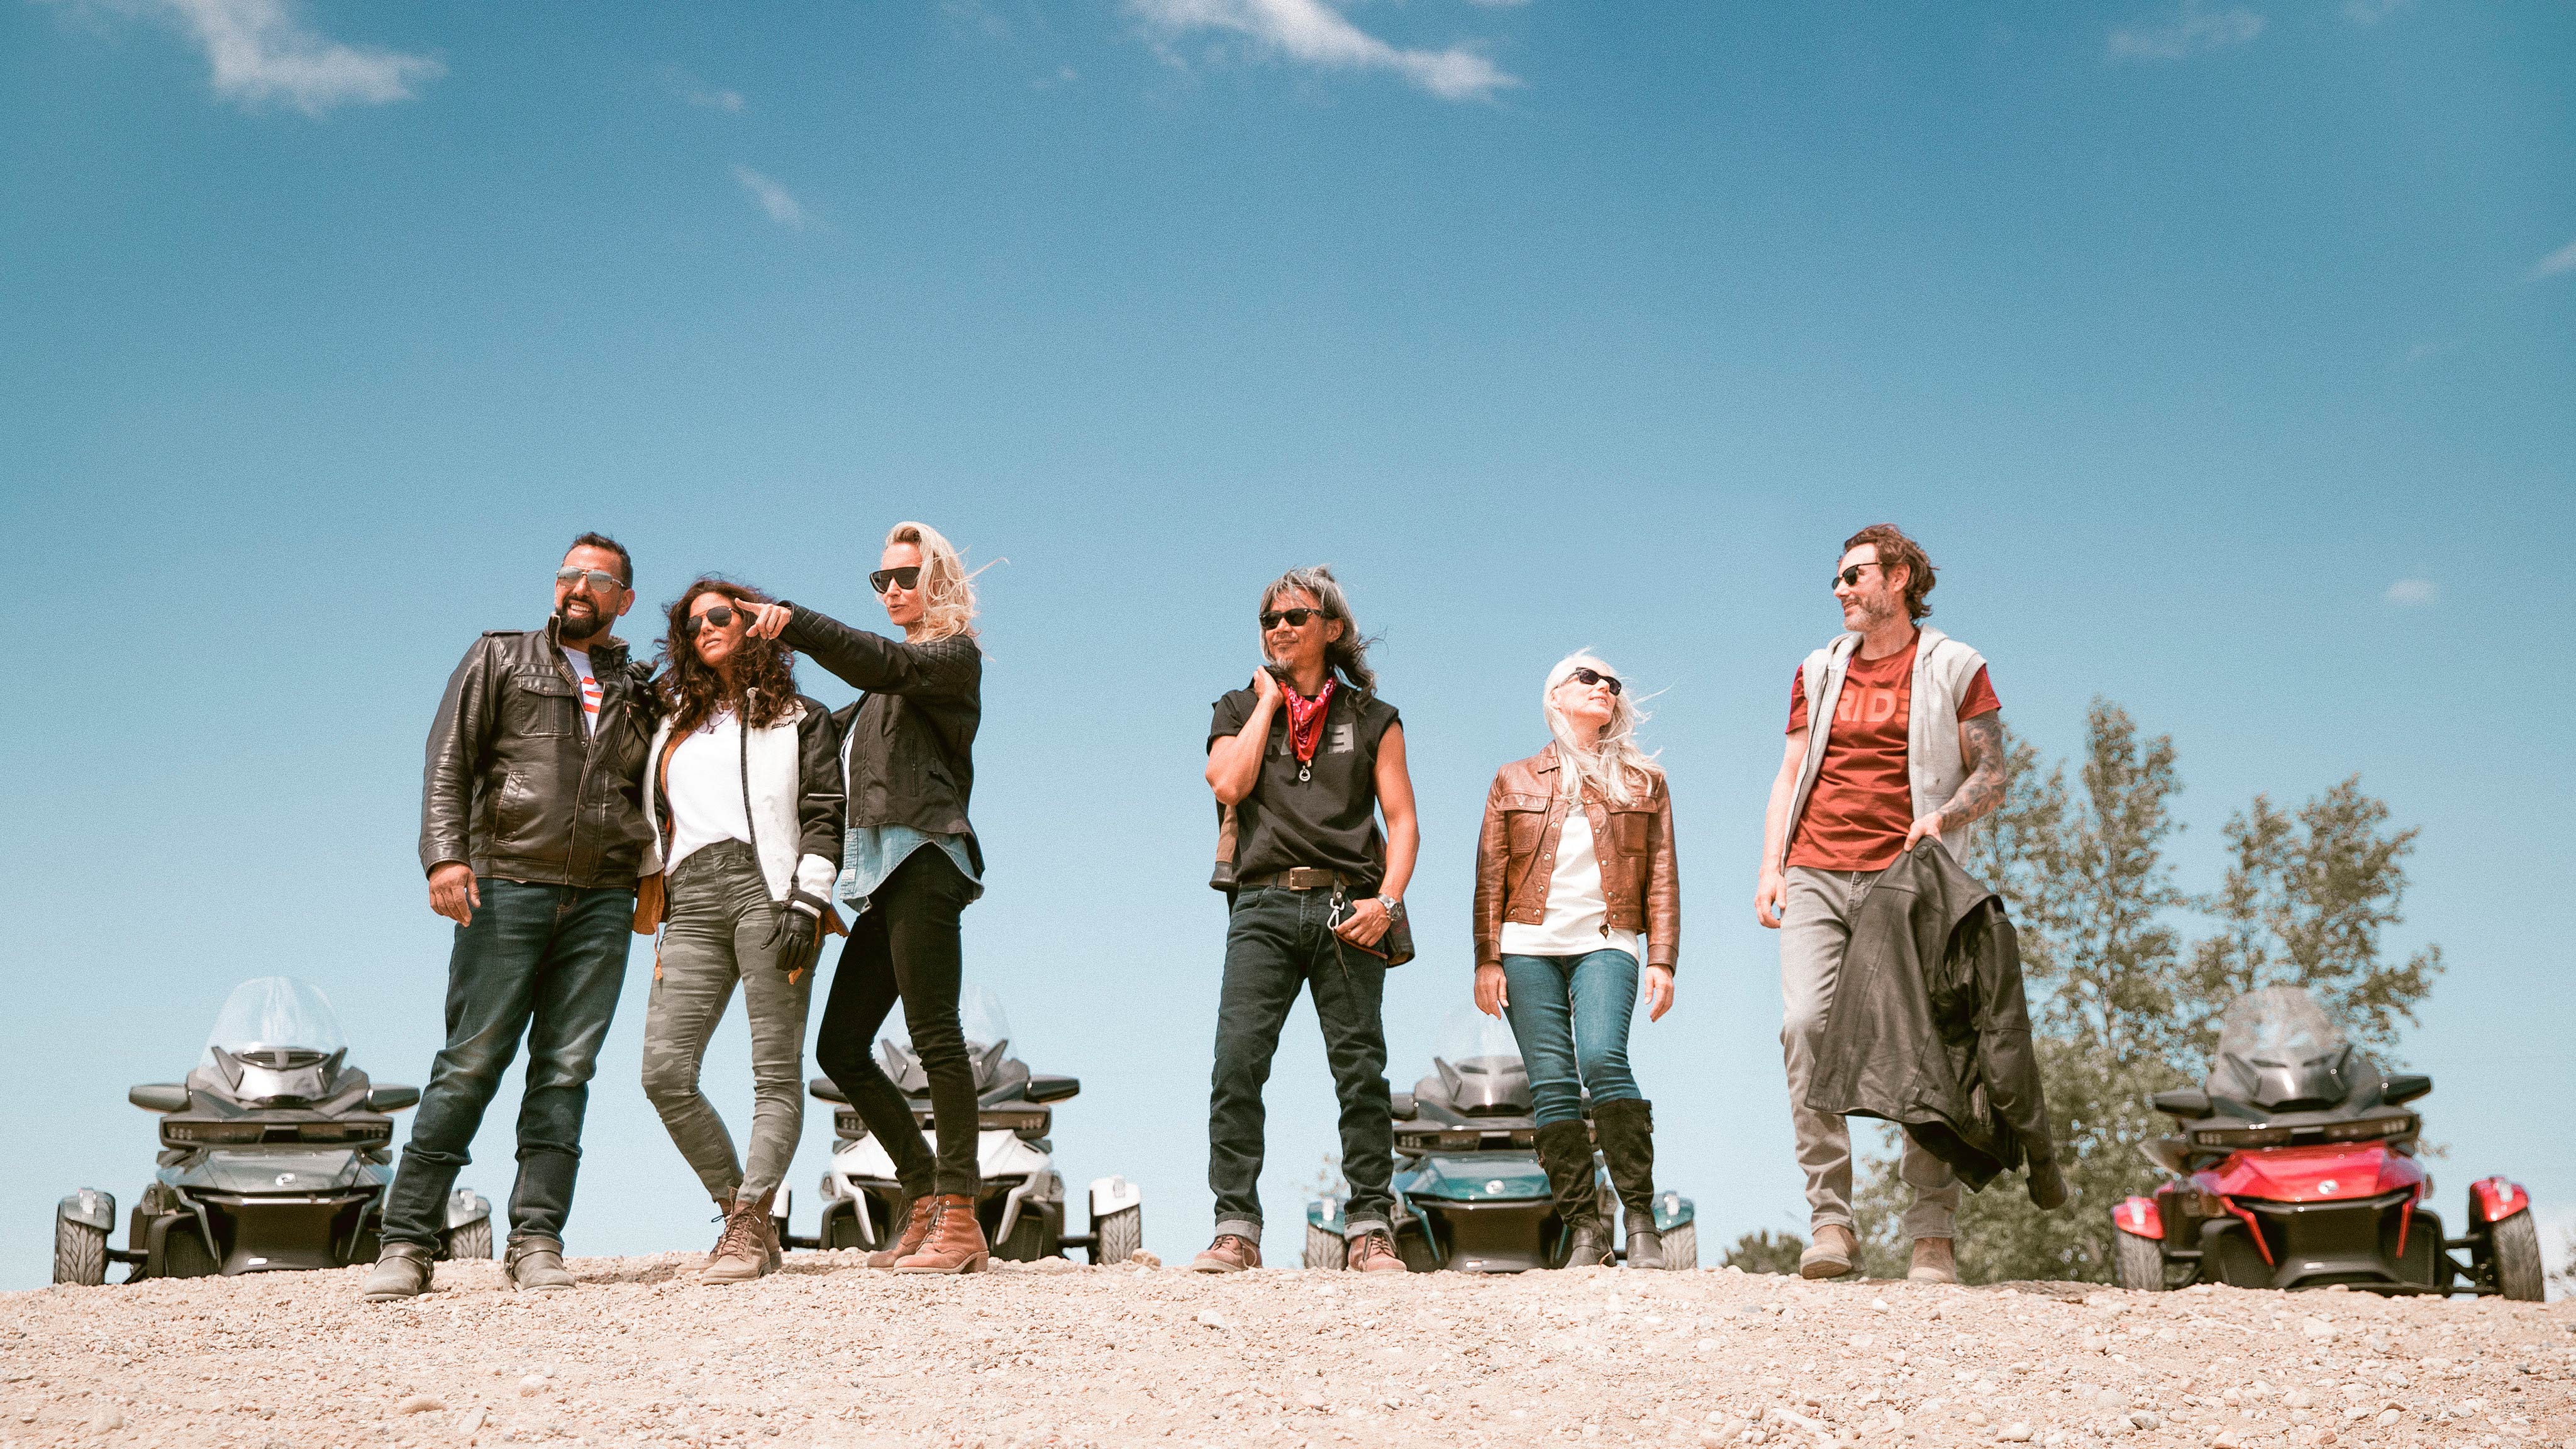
[{"x": 827, "y": 1353}]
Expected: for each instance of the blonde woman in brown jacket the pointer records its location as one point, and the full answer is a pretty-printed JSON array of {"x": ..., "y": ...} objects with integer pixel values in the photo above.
[{"x": 1574, "y": 865}]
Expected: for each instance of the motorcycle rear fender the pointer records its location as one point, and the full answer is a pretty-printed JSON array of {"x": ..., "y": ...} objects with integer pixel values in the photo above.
[
  {"x": 1114, "y": 1194},
  {"x": 2139, "y": 1217},
  {"x": 2493, "y": 1199}
]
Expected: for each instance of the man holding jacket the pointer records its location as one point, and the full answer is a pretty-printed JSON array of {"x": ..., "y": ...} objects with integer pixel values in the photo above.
[
  {"x": 1895, "y": 736},
  {"x": 532, "y": 833}
]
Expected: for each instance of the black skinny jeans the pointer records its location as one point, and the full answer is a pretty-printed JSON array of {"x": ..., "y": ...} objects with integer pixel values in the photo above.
[{"x": 906, "y": 946}]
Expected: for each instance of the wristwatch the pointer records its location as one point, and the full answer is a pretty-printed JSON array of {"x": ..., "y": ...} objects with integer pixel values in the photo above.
[{"x": 1393, "y": 907}]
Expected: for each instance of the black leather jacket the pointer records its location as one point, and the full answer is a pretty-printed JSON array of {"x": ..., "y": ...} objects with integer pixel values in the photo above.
[
  {"x": 909, "y": 755},
  {"x": 1929, "y": 1026},
  {"x": 515, "y": 787}
]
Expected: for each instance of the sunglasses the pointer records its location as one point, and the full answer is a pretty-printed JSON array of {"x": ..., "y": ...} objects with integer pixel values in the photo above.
[
  {"x": 598, "y": 581},
  {"x": 1594, "y": 676},
  {"x": 1293, "y": 618},
  {"x": 906, "y": 578},
  {"x": 720, "y": 616},
  {"x": 1850, "y": 577}
]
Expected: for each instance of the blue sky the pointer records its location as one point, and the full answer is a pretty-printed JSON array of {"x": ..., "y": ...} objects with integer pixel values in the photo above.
[{"x": 2221, "y": 354}]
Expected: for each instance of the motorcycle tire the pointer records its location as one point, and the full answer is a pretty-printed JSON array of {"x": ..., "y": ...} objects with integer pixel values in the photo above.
[
  {"x": 2137, "y": 1263},
  {"x": 840, "y": 1228},
  {"x": 80, "y": 1252},
  {"x": 1681, "y": 1248},
  {"x": 2518, "y": 1269},
  {"x": 1325, "y": 1250},
  {"x": 468, "y": 1243},
  {"x": 1028, "y": 1240},
  {"x": 184, "y": 1255},
  {"x": 1118, "y": 1237}
]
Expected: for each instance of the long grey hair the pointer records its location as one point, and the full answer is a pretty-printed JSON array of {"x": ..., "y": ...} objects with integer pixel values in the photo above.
[
  {"x": 1613, "y": 765},
  {"x": 1349, "y": 653}
]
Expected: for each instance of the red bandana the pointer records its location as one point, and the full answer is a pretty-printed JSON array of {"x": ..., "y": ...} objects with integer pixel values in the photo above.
[{"x": 1306, "y": 720}]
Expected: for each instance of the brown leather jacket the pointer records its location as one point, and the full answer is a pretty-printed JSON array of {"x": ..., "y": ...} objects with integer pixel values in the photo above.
[{"x": 1515, "y": 854}]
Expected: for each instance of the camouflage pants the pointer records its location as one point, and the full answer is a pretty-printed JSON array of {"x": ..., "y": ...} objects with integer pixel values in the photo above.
[{"x": 717, "y": 932}]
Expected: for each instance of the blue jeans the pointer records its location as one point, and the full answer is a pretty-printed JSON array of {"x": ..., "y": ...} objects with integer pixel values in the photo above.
[
  {"x": 1276, "y": 945},
  {"x": 1570, "y": 1015},
  {"x": 541, "y": 961}
]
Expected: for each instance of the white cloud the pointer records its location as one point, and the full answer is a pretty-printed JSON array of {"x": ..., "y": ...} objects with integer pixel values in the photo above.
[
  {"x": 777, "y": 200},
  {"x": 717, "y": 100},
  {"x": 1315, "y": 32},
  {"x": 261, "y": 53},
  {"x": 2412, "y": 593},
  {"x": 2561, "y": 260},
  {"x": 2194, "y": 28}
]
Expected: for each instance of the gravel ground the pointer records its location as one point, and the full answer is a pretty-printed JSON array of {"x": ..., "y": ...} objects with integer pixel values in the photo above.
[{"x": 828, "y": 1353}]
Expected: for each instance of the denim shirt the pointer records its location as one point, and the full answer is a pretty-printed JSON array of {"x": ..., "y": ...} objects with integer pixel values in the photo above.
[{"x": 870, "y": 853}]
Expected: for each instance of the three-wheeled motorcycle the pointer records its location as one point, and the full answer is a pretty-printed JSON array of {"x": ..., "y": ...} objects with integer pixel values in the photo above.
[
  {"x": 2296, "y": 1167},
  {"x": 1469, "y": 1191},
  {"x": 1021, "y": 1205},
  {"x": 275, "y": 1154}
]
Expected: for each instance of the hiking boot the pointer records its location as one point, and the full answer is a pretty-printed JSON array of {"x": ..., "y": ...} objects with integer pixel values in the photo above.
[
  {"x": 1627, "y": 1132},
  {"x": 1230, "y": 1253},
  {"x": 1832, "y": 1255},
  {"x": 1591, "y": 1245},
  {"x": 956, "y": 1241},
  {"x": 2047, "y": 1185},
  {"x": 1645, "y": 1245},
  {"x": 1565, "y": 1150},
  {"x": 742, "y": 1251},
  {"x": 1935, "y": 1261},
  {"x": 916, "y": 1227},
  {"x": 1373, "y": 1252},
  {"x": 536, "y": 1264},
  {"x": 401, "y": 1271}
]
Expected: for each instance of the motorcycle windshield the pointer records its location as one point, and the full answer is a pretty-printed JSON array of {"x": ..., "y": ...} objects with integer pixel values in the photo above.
[
  {"x": 276, "y": 1021},
  {"x": 1470, "y": 1036},
  {"x": 2277, "y": 1047}
]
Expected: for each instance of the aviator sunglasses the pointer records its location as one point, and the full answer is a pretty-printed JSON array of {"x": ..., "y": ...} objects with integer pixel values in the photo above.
[
  {"x": 906, "y": 578},
  {"x": 598, "y": 581},
  {"x": 1609, "y": 682},
  {"x": 720, "y": 616},
  {"x": 1293, "y": 618}
]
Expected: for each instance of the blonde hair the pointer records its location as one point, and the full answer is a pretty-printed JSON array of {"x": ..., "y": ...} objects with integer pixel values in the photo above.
[
  {"x": 1613, "y": 765},
  {"x": 948, "y": 590}
]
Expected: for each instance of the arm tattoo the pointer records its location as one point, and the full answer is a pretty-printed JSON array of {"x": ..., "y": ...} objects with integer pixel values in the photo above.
[{"x": 1984, "y": 788}]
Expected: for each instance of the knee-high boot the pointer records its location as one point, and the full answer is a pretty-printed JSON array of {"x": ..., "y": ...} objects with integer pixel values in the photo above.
[
  {"x": 1565, "y": 1150},
  {"x": 1628, "y": 1145}
]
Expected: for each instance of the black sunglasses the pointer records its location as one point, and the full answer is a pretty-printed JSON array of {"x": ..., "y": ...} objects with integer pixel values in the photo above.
[
  {"x": 1850, "y": 577},
  {"x": 720, "y": 616},
  {"x": 1595, "y": 676},
  {"x": 1293, "y": 618},
  {"x": 907, "y": 578}
]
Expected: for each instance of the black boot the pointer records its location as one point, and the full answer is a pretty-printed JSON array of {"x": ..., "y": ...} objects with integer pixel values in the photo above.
[
  {"x": 1628, "y": 1145},
  {"x": 1565, "y": 1150}
]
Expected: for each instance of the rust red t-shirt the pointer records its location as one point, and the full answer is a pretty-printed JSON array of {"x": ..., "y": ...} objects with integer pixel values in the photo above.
[{"x": 1863, "y": 799}]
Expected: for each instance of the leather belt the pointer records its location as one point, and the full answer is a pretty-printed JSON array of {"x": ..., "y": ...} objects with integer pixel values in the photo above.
[{"x": 1300, "y": 878}]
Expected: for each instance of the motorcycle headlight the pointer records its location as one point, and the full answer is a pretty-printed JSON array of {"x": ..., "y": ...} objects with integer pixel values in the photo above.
[
  {"x": 2370, "y": 1128},
  {"x": 2240, "y": 1137},
  {"x": 206, "y": 1134},
  {"x": 352, "y": 1132},
  {"x": 1026, "y": 1121}
]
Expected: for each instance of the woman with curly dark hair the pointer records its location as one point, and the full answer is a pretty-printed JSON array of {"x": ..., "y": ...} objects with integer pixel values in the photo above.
[{"x": 744, "y": 802}]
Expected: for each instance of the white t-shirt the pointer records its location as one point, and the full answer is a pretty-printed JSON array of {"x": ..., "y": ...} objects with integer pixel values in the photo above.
[
  {"x": 579, "y": 659},
  {"x": 706, "y": 789},
  {"x": 1578, "y": 917}
]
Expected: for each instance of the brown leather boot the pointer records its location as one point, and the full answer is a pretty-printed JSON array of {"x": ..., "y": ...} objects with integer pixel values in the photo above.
[
  {"x": 742, "y": 1254},
  {"x": 916, "y": 1227},
  {"x": 956, "y": 1242}
]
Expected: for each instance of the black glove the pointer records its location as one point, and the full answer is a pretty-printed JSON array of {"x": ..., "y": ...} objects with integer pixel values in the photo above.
[
  {"x": 2047, "y": 1187},
  {"x": 799, "y": 935}
]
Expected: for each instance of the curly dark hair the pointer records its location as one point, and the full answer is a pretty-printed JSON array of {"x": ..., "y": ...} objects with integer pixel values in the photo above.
[
  {"x": 764, "y": 672},
  {"x": 1896, "y": 551}
]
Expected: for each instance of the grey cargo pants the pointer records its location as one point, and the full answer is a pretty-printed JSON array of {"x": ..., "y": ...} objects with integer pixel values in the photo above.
[{"x": 1815, "y": 929}]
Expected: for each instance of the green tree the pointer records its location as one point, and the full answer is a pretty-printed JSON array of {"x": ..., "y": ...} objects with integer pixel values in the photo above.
[{"x": 2120, "y": 1008}]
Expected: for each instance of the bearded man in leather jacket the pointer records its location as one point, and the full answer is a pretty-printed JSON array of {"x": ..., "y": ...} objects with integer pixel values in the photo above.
[{"x": 532, "y": 833}]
